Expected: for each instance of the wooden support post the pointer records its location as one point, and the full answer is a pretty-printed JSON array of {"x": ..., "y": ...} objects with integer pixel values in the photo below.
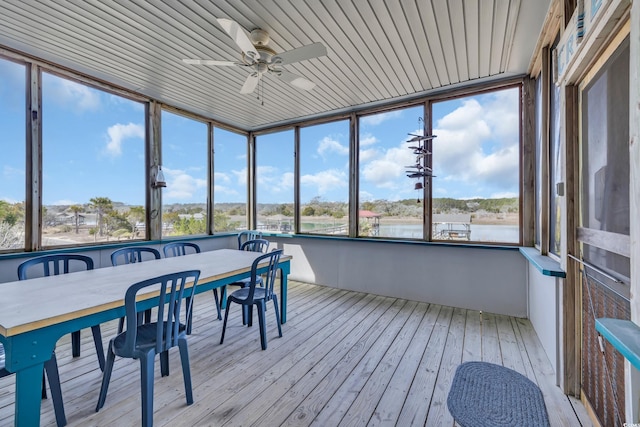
[{"x": 632, "y": 376}]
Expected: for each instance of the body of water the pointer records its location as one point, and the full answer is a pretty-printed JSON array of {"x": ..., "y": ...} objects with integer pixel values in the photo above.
[{"x": 479, "y": 232}]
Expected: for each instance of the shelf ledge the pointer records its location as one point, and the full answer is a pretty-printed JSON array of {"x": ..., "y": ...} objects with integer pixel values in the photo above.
[{"x": 624, "y": 336}]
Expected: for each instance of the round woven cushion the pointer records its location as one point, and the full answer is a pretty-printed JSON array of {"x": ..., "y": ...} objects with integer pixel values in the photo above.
[{"x": 484, "y": 394}]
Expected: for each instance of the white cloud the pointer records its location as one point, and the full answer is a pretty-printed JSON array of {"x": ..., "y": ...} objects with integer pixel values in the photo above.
[
  {"x": 328, "y": 145},
  {"x": 365, "y": 196},
  {"x": 9, "y": 172},
  {"x": 367, "y": 139},
  {"x": 326, "y": 181},
  {"x": 376, "y": 119},
  {"x": 271, "y": 180},
  {"x": 385, "y": 171},
  {"x": 74, "y": 95},
  {"x": 65, "y": 202},
  {"x": 118, "y": 133},
  {"x": 477, "y": 144},
  {"x": 181, "y": 185},
  {"x": 368, "y": 155}
]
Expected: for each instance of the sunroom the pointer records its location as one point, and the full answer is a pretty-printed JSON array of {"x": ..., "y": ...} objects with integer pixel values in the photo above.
[{"x": 457, "y": 176}]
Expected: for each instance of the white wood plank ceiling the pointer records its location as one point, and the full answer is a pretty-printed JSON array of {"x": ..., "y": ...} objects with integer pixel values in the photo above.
[{"x": 378, "y": 51}]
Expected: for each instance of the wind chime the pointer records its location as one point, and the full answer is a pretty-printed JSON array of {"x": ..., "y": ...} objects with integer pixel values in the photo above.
[{"x": 422, "y": 151}]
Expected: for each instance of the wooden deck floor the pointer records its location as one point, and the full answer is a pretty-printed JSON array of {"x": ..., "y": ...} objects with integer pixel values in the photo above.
[{"x": 345, "y": 358}]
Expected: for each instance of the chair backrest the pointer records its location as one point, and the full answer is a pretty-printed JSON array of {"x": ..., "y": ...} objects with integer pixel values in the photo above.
[
  {"x": 255, "y": 245},
  {"x": 269, "y": 277},
  {"x": 52, "y": 265},
  {"x": 173, "y": 290},
  {"x": 180, "y": 248},
  {"x": 245, "y": 235},
  {"x": 134, "y": 254}
]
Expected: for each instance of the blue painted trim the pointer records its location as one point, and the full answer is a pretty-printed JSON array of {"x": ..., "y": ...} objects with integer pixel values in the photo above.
[
  {"x": 547, "y": 266},
  {"x": 624, "y": 336},
  {"x": 110, "y": 246}
]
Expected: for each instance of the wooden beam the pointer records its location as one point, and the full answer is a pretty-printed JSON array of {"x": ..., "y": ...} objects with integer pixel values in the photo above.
[
  {"x": 528, "y": 162},
  {"x": 154, "y": 159},
  {"x": 632, "y": 376},
  {"x": 33, "y": 175}
]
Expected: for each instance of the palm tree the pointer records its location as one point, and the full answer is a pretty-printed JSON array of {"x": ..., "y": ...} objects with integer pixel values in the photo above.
[
  {"x": 76, "y": 209},
  {"x": 102, "y": 205}
]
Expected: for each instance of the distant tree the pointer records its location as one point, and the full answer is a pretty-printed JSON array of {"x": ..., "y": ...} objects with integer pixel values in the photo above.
[
  {"x": 102, "y": 205},
  {"x": 136, "y": 214},
  {"x": 76, "y": 209}
]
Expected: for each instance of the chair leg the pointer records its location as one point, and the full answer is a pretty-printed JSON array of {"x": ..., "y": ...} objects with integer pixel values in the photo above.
[
  {"x": 224, "y": 324},
  {"x": 249, "y": 313},
  {"x": 164, "y": 363},
  {"x": 106, "y": 377},
  {"x": 97, "y": 339},
  {"x": 190, "y": 318},
  {"x": 75, "y": 344},
  {"x": 186, "y": 369},
  {"x": 260, "y": 305},
  {"x": 51, "y": 368},
  {"x": 217, "y": 301},
  {"x": 146, "y": 388},
  {"x": 44, "y": 388},
  {"x": 275, "y": 306}
]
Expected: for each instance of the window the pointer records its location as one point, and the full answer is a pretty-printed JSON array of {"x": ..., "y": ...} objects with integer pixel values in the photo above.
[
  {"x": 605, "y": 164},
  {"x": 185, "y": 166},
  {"x": 230, "y": 180},
  {"x": 324, "y": 178},
  {"x": 540, "y": 129},
  {"x": 274, "y": 181},
  {"x": 93, "y": 149},
  {"x": 12, "y": 141},
  {"x": 555, "y": 168},
  {"x": 389, "y": 205},
  {"x": 476, "y": 163}
]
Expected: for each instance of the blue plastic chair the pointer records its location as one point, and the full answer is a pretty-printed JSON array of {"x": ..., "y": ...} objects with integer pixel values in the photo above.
[
  {"x": 51, "y": 369},
  {"x": 258, "y": 295},
  {"x": 133, "y": 254},
  {"x": 254, "y": 245},
  {"x": 53, "y": 265},
  {"x": 184, "y": 248},
  {"x": 245, "y": 235},
  {"x": 144, "y": 341},
  {"x": 129, "y": 256}
]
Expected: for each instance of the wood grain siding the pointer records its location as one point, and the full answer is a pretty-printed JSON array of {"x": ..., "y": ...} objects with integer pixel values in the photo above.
[
  {"x": 344, "y": 358},
  {"x": 377, "y": 51}
]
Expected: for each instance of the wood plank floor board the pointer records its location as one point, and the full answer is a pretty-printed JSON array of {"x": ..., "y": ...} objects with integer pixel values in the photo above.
[
  {"x": 452, "y": 357},
  {"x": 369, "y": 396},
  {"x": 345, "y": 358},
  {"x": 250, "y": 403},
  {"x": 234, "y": 352},
  {"x": 352, "y": 384},
  {"x": 391, "y": 402},
  {"x": 558, "y": 406},
  {"x": 297, "y": 406},
  {"x": 418, "y": 401},
  {"x": 472, "y": 346}
]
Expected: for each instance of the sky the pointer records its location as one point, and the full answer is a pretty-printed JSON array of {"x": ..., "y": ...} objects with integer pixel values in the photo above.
[{"x": 93, "y": 146}]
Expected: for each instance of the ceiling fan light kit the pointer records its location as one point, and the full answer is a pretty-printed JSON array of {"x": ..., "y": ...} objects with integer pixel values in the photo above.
[{"x": 261, "y": 59}]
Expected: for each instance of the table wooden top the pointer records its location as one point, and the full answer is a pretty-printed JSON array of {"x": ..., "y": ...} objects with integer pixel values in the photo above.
[{"x": 36, "y": 303}]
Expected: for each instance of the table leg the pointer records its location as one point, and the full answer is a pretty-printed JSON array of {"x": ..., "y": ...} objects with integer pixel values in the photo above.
[
  {"x": 28, "y": 395},
  {"x": 283, "y": 296}
]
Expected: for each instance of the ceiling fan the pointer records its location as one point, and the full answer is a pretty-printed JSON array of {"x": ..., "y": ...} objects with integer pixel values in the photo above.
[{"x": 261, "y": 59}]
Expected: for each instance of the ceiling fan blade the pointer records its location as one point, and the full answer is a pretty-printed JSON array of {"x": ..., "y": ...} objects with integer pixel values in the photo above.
[
  {"x": 300, "y": 54},
  {"x": 251, "y": 83},
  {"x": 296, "y": 80},
  {"x": 240, "y": 37},
  {"x": 209, "y": 62}
]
